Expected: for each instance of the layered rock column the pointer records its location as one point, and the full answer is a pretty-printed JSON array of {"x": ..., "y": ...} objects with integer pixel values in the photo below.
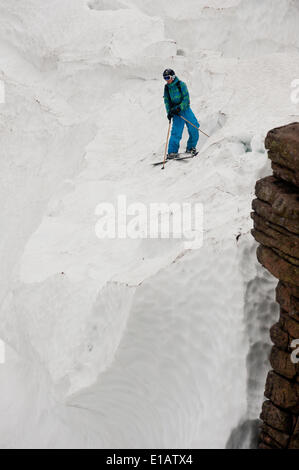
[{"x": 276, "y": 228}]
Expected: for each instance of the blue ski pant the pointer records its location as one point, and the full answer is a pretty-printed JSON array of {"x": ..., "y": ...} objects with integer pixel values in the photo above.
[{"x": 177, "y": 131}]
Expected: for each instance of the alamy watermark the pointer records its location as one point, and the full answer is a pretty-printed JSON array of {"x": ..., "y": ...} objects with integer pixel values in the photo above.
[
  {"x": 295, "y": 92},
  {"x": 295, "y": 353},
  {"x": 154, "y": 220}
]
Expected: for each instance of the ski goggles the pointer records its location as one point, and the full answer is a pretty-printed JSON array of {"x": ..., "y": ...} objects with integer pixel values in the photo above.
[{"x": 168, "y": 77}]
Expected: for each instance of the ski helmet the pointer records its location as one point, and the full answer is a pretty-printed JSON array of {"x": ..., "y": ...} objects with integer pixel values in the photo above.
[{"x": 169, "y": 73}]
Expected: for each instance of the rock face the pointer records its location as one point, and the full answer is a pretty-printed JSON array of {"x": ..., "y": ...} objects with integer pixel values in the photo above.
[{"x": 276, "y": 228}]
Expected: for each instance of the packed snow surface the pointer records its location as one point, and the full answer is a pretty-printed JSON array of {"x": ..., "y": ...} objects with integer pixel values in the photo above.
[{"x": 135, "y": 342}]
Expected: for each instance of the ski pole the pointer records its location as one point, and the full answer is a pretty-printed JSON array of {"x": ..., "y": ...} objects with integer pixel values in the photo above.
[
  {"x": 166, "y": 146},
  {"x": 194, "y": 126}
]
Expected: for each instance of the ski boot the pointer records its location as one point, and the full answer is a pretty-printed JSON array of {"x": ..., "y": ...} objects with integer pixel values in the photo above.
[
  {"x": 171, "y": 156},
  {"x": 192, "y": 151}
]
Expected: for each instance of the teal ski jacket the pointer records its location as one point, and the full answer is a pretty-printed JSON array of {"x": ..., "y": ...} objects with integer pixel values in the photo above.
[{"x": 176, "y": 97}]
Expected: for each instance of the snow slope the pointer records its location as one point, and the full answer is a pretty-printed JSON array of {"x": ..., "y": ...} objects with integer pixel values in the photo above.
[{"x": 135, "y": 343}]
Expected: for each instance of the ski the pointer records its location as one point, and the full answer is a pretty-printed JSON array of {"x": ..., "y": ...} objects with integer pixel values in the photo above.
[{"x": 183, "y": 157}]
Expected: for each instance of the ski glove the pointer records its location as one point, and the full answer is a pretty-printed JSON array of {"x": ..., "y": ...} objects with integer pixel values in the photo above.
[{"x": 176, "y": 110}]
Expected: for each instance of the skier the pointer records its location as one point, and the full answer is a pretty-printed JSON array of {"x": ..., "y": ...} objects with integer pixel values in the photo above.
[{"x": 177, "y": 103}]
